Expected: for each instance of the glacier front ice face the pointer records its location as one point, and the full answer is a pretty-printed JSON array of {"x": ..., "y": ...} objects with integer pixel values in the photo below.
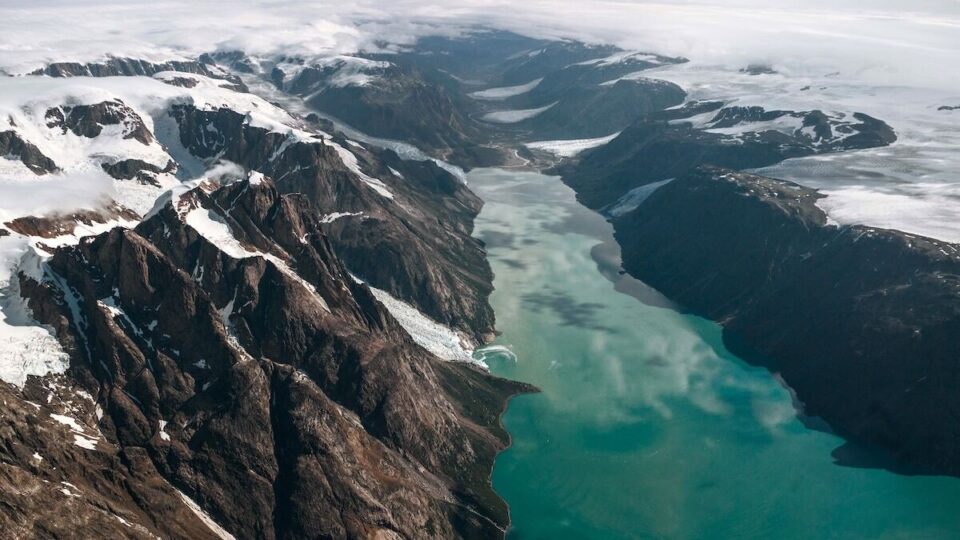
[
  {"x": 436, "y": 338},
  {"x": 26, "y": 348}
]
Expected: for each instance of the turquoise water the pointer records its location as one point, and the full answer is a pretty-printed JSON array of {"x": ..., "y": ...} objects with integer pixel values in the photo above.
[{"x": 647, "y": 426}]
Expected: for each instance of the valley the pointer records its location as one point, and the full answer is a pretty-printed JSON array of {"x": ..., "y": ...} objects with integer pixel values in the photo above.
[{"x": 278, "y": 296}]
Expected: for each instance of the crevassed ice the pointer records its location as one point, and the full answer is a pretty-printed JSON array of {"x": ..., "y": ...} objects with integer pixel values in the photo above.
[
  {"x": 440, "y": 340},
  {"x": 26, "y": 348}
]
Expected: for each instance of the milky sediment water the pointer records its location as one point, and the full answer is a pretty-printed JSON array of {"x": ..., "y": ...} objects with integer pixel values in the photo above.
[{"x": 647, "y": 427}]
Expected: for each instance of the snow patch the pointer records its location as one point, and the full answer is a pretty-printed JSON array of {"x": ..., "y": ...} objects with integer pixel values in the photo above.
[
  {"x": 570, "y": 147},
  {"x": 204, "y": 517},
  {"x": 350, "y": 160},
  {"x": 80, "y": 438},
  {"x": 84, "y": 442},
  {"x": 514, "y": 116},
  {"x": 68, "y": 421},
  {"x": 330, "y": 218},
  {"x": 163, "y": 434},
  {"x": 215, "y": 229},
  {"x": 620, "y": 58},
  {"x": 504, "y": 92},
  {"x": 632, "y": 199}
]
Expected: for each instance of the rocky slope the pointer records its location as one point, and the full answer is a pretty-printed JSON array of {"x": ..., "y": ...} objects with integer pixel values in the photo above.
[
  {"x": 113, "y": 67},
  {"x": 860, "y": 322},
  {"x": 244, "y": 341},
  {"x": 461, "y": 98},
  {"x": 404, "y": 226},
  {"x": 13, "y": 147},
  {"x": 387, "y": 99},
  {"x": 224, "y": 340},
  {"x": 668, "y": 143}
]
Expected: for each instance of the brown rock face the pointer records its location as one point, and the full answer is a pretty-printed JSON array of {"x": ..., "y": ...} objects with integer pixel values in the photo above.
[
  {"x": 12, "y": 146},
  {"x": 228, "y": 376},
  {"x": 416, "y": 246},
  {"x": 88, "y": 120},
  {"x": 53, "y": 488},
  {"x": 113, "y": 67},
  {"x": 136, "y": 169},
  {"x": 55, "y": 225},
  {"x": 264, "y": 383},
  {"x": 861, "y": 322}
]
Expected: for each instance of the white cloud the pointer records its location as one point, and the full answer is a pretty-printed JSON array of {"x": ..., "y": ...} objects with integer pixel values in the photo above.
[
  {"x": 52, "y": 193},
  {"x": 878, "y": 38}
]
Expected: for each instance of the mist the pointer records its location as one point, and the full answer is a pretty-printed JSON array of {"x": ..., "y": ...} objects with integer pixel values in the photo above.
[
  {"x": 53, "y": 194},
  {"x": 876, "y": 40}
]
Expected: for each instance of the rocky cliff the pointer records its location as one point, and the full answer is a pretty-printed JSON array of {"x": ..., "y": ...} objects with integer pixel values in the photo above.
[
  {"x": 860, "y": 322},
  {"x": 667, "y": 143},
  {"x": 241, "y": 338},
  {"x": 404, "y": 226},
  {"x": 228, "y": 354}
]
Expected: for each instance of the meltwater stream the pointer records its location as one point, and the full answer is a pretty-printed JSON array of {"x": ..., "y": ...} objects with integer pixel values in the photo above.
[{"x": 647, "y": 427}]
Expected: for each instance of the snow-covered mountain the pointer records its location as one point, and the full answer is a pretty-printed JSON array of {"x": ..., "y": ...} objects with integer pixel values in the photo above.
[
  {"x": 239, "y": 294},
  {"x": 209, "y": 303}
]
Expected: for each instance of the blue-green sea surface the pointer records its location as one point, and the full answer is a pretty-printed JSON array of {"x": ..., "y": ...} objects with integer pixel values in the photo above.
[{"x": 647, "y": 427}]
